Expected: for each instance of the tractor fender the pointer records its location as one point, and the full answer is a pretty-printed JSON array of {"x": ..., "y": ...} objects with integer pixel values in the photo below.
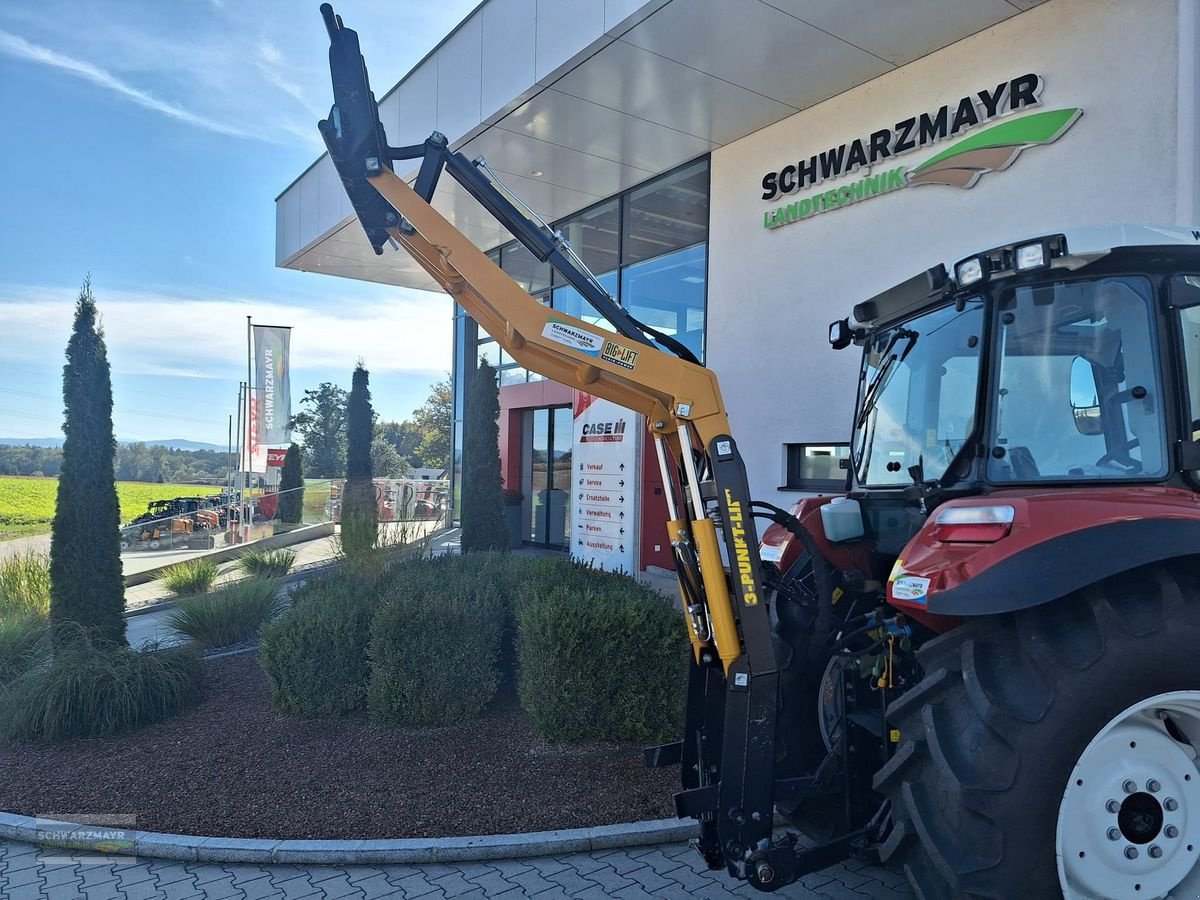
[{"x": 1061, "y": 541}]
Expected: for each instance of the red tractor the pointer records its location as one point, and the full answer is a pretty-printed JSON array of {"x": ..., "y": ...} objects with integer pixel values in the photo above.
[{"x": 995, "y": 628}]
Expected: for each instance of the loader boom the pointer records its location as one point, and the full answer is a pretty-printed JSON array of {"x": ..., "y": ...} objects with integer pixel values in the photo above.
[{"x": 727, "y": 752}]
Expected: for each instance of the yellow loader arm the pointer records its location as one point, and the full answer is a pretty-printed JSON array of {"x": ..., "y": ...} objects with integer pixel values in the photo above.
[{"x": 727, "y": 751}]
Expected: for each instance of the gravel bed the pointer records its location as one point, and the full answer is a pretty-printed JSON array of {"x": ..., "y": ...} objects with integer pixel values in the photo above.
[{"x": 233, "y": 766}]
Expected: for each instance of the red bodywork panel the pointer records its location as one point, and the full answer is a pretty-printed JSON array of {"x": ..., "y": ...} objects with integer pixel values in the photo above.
[{"x": 1039, "y": 516}]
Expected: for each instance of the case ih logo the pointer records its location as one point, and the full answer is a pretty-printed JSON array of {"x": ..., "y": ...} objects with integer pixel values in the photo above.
[{"x": 603, "y": 432}]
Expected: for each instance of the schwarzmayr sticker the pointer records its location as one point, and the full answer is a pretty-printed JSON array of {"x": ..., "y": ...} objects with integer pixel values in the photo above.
[
  {"x": 576, "y": 338},
  {"x": 963, "y": 163}
]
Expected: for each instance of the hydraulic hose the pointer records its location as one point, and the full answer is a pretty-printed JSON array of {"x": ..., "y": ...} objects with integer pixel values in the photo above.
[{"x": 822, "y": 576}]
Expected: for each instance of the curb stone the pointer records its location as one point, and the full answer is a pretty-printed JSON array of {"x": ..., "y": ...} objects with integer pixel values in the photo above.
[{"x": 410, "y": 851}]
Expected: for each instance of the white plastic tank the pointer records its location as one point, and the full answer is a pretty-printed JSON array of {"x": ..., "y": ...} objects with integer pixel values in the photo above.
[{"x": 842, "y": 519}]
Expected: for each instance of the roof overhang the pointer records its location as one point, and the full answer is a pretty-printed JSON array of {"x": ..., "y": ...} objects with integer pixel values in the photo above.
[{"x": 572, "y": 103}]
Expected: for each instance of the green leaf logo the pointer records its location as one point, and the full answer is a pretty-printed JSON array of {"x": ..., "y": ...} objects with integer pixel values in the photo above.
[{"x": 993, "y": 149}]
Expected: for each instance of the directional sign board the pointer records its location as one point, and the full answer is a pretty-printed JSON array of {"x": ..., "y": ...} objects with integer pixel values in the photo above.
[{"x": 605, "y": 458}]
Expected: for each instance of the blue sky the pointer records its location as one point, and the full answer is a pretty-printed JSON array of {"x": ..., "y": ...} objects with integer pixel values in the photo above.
[{"x": 145, "y": 142}]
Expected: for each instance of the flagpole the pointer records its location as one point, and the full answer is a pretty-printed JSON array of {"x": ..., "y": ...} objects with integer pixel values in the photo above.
[{"x": 249, "y": 392}]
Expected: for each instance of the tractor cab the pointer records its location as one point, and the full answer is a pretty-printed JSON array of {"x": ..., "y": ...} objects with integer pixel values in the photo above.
[{"x": 1030, "y": 368}]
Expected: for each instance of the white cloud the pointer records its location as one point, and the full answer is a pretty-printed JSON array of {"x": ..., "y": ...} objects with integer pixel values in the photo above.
[
  {"x": 161, "y": 334},
  {"x": 16, "y": 46}
]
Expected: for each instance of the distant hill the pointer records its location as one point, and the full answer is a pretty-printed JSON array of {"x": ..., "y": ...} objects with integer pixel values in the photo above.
[{"x": 169, "y": 443}]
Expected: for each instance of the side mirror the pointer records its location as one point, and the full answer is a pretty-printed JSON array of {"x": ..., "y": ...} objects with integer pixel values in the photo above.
[{"x": 1085, "y": 398}]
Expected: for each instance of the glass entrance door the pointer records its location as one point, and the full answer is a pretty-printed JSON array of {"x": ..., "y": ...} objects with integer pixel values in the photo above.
[{"x": 546, "y": 476}]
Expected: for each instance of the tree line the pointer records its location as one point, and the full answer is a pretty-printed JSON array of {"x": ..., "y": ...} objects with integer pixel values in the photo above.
[
  {"x": 396, "y": 448},
  {"x": 133, "y": 462}
]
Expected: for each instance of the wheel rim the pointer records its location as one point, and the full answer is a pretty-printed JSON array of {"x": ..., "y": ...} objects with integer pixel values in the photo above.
[{"x": 1129, "y": 820}]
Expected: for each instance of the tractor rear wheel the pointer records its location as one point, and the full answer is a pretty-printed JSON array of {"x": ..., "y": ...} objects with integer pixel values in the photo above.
[{"x": 1040, "y": 751}]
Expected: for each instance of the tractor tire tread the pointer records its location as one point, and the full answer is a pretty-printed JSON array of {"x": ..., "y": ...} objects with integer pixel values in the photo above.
[{"x": 996, "y": 689}]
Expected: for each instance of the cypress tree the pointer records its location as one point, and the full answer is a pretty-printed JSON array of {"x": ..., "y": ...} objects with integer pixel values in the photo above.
[
  {"x": 360, "y": 528},
  {"x": 483, "y": 523},
  {"x": 291, "y": 488},
  {"x": 86, "y": 583}
]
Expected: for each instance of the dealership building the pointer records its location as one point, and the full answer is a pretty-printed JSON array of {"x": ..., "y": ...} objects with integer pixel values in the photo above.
[{"x": 739, "y": 173}]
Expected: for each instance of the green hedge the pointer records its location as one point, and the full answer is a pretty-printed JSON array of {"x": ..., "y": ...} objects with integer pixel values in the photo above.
[
  {"x": 315, "y": 656},
  {"x": 596, "y": 656},
  {"x": 600, "y": 656},
  {"x": 436, "y": 641}
]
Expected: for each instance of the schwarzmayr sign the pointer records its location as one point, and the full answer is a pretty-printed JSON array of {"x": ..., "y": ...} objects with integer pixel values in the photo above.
[{"x": 961, "y": 165}]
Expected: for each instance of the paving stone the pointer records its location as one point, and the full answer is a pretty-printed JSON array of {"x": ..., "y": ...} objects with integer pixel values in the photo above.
[
  {"x": 473, "y": 870},
  {"x": 31, "y": 891},
  {"x": 492, "y": 883},
  {"x": 650, "y": 880},
  {"x": 340, "y": 886},
  {"x": 580, "y": 862},
  {"x": 609, "y": 879},
  {"x": 104, "y": 890},
  {"x": 417, "y": 885},
  {"x": 143, "y": 890},
  {"x": 508, "y": 867},
  {"x": 453, "y": 884},
  {"x": 182, "y": 890},
  {"x": 532, "y": 882},
  {"x": 134, "y": 875},
  {"x": 666, "y": 872},
  {"x": 571, "y": 882},
  {"x": 260, "y": 889},
  {"x": 621, "y": 863}
]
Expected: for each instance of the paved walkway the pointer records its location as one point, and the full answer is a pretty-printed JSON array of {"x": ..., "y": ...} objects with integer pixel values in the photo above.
[{"x": 668, "y": 871}]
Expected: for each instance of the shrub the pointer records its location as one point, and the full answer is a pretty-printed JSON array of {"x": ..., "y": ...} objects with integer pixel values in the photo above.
[
  {"x": 359, "y": 516},
  {"x": 23, "y": 643},
  {"x": 192, "y": 576},
  {"x": 600, "y": 657},
  {"x": 483, "y": 524},
  {"x": 24, "y": 586},
  {"x": 315, "y": 656},
  {"x": 436, "y": 642},
  {"x": 291, "y": 488},
  {"x": 85, "y": 536},
  {"x": 232, "y": 615},
  {"x": 86, "y": 691},
  {"x": 259, "y": 563}
]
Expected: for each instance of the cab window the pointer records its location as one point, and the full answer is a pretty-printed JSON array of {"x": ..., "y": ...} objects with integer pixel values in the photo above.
[{"x": 1079, "y": 392}]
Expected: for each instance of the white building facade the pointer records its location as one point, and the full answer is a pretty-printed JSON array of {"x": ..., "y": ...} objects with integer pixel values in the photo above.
[{"x": 772, "y": 163}]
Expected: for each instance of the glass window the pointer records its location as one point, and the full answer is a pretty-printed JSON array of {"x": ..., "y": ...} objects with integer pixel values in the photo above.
[
  {"x": 571, "y": 302},
  {"x": 513, "y": 375},
  {"x": 489, "y": 350},
  {"x": 816, "y": 467},
  {"x": 917, "y": 395},
  {"x": 1079, "y": 391},
  {"x": 666, "y": 214},
  {"x": 1185, "y": 292},
  {"x": 523, "y": 268},
  {"x": 594, "y": 235},
  {"x": 668, "y": 294}
]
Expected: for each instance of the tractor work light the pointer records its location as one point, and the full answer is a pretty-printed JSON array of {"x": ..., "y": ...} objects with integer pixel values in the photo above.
[
  {"x": 840, "y": 334},
  {"x": 970, "y": 271},
  {"x": 1031, "y": 256},
  {"x": 972, "y": 524}
]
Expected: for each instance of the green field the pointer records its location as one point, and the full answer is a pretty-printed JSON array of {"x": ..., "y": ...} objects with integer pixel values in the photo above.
[{"x": 27, "y": 504}]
